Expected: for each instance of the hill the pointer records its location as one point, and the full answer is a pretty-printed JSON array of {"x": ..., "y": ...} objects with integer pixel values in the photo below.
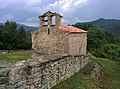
[
  {"x": 112, "y": 25},
  {"x": 108, "y": 24},
  {"x": 27, "y": 28},
  {"x": 108, "y": 79}
]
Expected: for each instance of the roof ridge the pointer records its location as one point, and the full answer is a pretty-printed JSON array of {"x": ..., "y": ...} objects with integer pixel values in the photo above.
[{"x": 72, "y": 29}]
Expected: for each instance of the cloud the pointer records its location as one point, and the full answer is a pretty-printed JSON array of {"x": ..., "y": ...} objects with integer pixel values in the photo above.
[
  {"x": 68, "y": 8},
  {"x": 67, "y": 4},
  {"x": 73, "y": 11}
]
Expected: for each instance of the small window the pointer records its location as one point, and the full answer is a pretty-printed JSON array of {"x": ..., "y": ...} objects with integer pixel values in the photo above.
[
  {"x": 46, "y": 20},
  {"x": 48, "y": 31},
  {"x": 80, "y": 48},
  {"x": 53, "y": 20}
]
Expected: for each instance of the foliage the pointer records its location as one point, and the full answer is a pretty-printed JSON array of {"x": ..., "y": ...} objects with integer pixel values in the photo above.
[
  {"x": 108, "y": 24},
  {"x": 110, "y": 51},
  {"x": 102, "y": 43},
  {"x": 16, "y": 56},
  {"x": 13, "y": 38},
  {"x": 83, "y": 80},
  {"x": 84, "y": 26}
]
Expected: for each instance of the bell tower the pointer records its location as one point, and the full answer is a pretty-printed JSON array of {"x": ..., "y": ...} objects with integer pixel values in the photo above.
[{"x": 50, "y": 19}]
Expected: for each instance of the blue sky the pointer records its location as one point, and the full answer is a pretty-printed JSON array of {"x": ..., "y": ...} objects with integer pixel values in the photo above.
[{"x": 27, "y": 11}]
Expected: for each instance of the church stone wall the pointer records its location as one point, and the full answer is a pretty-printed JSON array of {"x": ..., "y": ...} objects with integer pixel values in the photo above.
[
  {"x": 57, "y": 41},
  {"x": 78, "y": 43},
  {"x": 53, "y": 42}
]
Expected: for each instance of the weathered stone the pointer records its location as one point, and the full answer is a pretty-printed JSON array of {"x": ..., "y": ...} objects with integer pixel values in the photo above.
[
  {"x": 5, "y": 65},
  {"x": 4, "y": 72},
  {"x": 17, "y": 74},
  {"x": 20, "y": 85},
  {"x": 3, "y": 87},
  {"x": 57, "y": 39},
  {"x": 3, "y": 80},
  {"x": 96, "y": 71},
  {"x": 21, "y": 63}
]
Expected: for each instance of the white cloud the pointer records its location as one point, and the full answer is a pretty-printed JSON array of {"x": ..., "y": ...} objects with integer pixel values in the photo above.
[
  {"x": 27, "y": 11},
  {"x": 4, "y": 3},
  {"x": 65, "y": 5},
  {"x": 33, "y": 2},
  {"x": 7, "y": 17}
]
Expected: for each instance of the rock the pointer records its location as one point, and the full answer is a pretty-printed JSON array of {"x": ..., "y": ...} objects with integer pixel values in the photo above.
[{"x": 4, "y": 72}]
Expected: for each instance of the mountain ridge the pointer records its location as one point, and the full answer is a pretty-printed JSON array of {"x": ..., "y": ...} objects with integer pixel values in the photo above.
[
  {"x": 108, "y": 24},
  {"x": 27, "y": 28}
]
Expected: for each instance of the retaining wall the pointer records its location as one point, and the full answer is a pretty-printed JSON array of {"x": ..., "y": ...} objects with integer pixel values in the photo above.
[{"x": 40, "y": 73}]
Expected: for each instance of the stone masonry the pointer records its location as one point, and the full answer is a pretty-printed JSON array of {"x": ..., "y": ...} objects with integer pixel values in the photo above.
[
  {"x": 57, "y": 38},
  {"x": 42, "y": 73}
]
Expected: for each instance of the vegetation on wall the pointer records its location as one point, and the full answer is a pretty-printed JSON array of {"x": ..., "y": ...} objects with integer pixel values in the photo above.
[
  {"x": 13, "y": 38},
  {"x": 101, "y": 43}
]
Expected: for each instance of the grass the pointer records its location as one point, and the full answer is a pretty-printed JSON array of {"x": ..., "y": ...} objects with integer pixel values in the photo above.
[
  {"x": 16, "y": 56},
  {"x": 82, "y": 79}
]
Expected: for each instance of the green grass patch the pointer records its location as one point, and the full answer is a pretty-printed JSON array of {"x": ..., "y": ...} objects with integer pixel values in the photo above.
[
  {"x": 16, "y": 56},
  {"x": 83, "y": 80}
]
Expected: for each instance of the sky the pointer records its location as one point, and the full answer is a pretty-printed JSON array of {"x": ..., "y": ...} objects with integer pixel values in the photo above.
[{"x": 27, "y": 11}]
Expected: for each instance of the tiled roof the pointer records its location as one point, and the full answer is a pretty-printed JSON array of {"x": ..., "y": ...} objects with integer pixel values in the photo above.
[{"x": 71, "y": 29}]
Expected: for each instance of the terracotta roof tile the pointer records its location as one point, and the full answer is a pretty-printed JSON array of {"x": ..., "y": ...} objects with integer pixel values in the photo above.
[{"x": 71, "y": 29}]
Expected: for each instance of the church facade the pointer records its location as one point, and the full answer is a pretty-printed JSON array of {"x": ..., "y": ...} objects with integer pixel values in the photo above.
[{"x": 54, "y": 38}]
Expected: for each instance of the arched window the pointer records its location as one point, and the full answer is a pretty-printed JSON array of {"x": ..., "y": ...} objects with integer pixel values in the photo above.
[
  {"x": 53, "y": 20},
  {"x": 46, "y": 20}
]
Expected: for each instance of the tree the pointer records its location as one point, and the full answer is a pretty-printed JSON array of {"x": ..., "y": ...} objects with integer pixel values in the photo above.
[
  {"x": 10, "y": 25},
  {"x": 11, "y": 38},
  {"x": 23, "y": 39}
]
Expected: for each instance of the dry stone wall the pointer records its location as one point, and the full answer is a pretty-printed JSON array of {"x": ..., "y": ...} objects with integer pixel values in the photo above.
[{"x": 41, "y": 73}]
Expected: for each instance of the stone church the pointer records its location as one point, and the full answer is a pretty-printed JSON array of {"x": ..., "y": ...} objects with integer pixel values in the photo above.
[{"x": 54, "y": 38}]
